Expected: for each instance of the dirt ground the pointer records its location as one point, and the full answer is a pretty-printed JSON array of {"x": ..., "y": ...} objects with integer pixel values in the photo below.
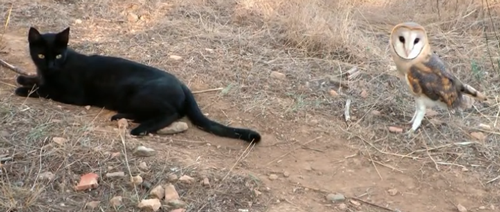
[{"x": 277, "y": 62}]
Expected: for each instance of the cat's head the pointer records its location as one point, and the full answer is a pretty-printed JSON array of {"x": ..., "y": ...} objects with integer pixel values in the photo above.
[{"x": 48, "y": 50}]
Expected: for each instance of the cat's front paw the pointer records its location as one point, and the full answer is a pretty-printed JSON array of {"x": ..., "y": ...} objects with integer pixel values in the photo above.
[
  {"x": 25, "y": 91},
  {"x": 27, "y": 81}
]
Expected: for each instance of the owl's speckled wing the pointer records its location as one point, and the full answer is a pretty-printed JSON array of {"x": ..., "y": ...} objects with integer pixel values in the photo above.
[{"x": 430, "y": 78}]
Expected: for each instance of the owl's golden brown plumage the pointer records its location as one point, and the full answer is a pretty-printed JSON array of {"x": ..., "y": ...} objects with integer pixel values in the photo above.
[{"x": 425, "y": 73}]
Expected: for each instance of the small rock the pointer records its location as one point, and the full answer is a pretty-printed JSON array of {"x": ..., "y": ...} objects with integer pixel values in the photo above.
[
  {"x": 158, "y": 192},
  {"x": 87, "y": 181},
  {"x": 482, "y": 207},
  {"x": 92, "y": 204},
  {"x": 478, "y": 136},
  {"x": 115, "y": 174},
  {"x": 186, "y": 179},
  {"x": 116, "y": 201},
  {"x": 375, "y": 112},
  {"x": 172, "y": 177},
  {"x": 364, "y": 94},
  {"x": 209, "y": 50},
  {"x": 176, "y": 127},
  {"x": 461, "y": 208},
  {"x": 278, "y": 75},
  {"x": 115, "y": 154},
  {"x": 87, "y": 107},
  {"x": 176, "y": 203},
  {"x": 143, "y": 166},
  {"x": 150, "y": 204},
  {"x": 178, "y": 210},
  {"x": 59, "y": 140},
  {"x": 484, "y": 126},
  {"x": 333, "y": 93},
  {"x": 395, "y": 129},
  {"x": 170, "y": 192},
  {"x": 205, "y": 182},
  {"x": 257, "y": 192},
  {"x": 136, "y": 180},
  {"x": 47, "y": 176},
  {"x": 392, "y": 191},
  {"x": 142, "y": 151},
  {"x": 342, "y": 206},
  {"x": 175, "y": 57},
  {"x": 354, "y": 202},
  {"x": 122, "y": 123},
  {"x": 273, "y": 177},
  {"x": 78, "y": 21},
  {"x": 335, "y": 197},
  {"x": 286, "y": 174},
  {"x": 146, "y": 184},
  {"x": 131, "y": 17}
]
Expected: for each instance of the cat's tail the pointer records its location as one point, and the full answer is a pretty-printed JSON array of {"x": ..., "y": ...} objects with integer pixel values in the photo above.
[{"x": 194, "y": 114}]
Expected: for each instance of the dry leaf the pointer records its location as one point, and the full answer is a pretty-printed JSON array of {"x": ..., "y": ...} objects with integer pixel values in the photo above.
[
  {"x": 333, "y": 93},
  {"x": 87, "y": 181},
  {"x": 92, "y": 204},
  {"x": 59, "y": 140},
  {"x": 364, "y": 93},
  {"x": 478, "y": 136},
  {"x": 116, "y": 201}
]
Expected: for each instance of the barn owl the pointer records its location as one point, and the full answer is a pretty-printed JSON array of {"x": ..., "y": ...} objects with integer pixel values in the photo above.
[{"x": 425, "y": 73}]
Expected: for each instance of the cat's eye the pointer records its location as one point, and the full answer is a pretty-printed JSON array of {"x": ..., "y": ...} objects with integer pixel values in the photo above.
[
  {"x": 41, "y": 56},
  {"x": 59, "y": 56}
]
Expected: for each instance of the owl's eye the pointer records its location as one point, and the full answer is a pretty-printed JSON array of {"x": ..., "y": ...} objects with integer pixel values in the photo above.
[
  {"x": 59, "y": 56},
  {"x": 416, "y": 40},
  {"x": 401, "y": 39},
  {"x": 41, "y": 56}
]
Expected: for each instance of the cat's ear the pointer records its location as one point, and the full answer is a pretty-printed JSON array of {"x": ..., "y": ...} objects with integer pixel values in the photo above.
[
  {"x": 62, "y": 37},
  {"x": 34, "y": 36}
]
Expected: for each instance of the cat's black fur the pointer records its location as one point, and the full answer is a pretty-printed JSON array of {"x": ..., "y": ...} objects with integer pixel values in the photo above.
[{"x": 147, "y": 95}]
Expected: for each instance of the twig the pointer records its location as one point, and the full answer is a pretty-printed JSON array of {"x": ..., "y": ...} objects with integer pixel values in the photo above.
[
  {"x": 122, "y": 138},
  {"x": 374, "y": 166},
  {"x": 372, "y": 204},
  {"x": 284, "y": 155},
  {"x": 493, "y": 180},
  {"x": 208, "y": 90},
  {"x": 429, "y": 154},
  {"x": 13, "y": 68},
  {"x": 388, "y": 166},
  {"x": 347, "y": 108},
  {"x": 384, "y": 152},
  {"x": 5, "y": 159},
  {"x": 247, "y": 151}
]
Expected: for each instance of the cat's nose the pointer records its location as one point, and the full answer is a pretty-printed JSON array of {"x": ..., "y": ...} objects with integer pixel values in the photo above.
[{"x": 51, "y": 64}]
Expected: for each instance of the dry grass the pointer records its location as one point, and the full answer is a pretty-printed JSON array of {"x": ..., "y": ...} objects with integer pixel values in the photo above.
[
  {"x": 236, "y": 45},
  {"x": 332, "y": 37}
]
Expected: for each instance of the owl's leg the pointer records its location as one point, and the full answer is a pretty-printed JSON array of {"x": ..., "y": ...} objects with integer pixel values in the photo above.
[
  {"x": 414, "y": 114},
  {"x": 419, "y": 116}
]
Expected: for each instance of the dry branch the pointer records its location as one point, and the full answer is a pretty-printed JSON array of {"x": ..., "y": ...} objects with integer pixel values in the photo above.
[{"x": 13, "y": 68}]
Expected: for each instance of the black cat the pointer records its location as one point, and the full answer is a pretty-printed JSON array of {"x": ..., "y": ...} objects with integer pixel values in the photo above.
[{"x": 147, "y": 95}]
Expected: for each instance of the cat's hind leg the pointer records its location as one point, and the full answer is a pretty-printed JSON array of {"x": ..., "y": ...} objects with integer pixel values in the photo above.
[{"x": 154, "y": 124}]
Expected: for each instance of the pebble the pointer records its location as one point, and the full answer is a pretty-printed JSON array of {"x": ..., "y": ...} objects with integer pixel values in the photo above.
[
  {"x": 335, "y": 197},
  {"x": 186, "y": 179},
  {"x": 273, "y": 177},
  {"x": 277, "y": 75},
  {"x": 142, "y": 151},
  {"x": 286, "y": 174}
]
